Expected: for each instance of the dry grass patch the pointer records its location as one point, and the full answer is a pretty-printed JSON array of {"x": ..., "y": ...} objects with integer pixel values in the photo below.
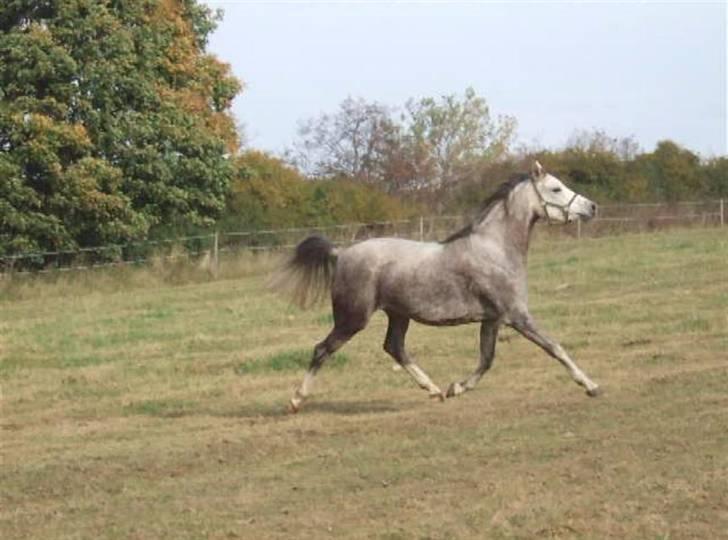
[{"x": 157, "y": 410}]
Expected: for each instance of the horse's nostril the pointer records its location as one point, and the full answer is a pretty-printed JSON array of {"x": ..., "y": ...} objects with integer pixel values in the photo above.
[{"x": 593, "y": 207}]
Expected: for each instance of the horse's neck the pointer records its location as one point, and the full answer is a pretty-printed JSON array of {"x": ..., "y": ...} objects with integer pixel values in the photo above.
[{"x": 511, "y": 228}]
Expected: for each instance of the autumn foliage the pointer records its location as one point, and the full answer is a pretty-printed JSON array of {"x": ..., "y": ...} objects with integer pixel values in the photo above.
[
  {"x": 114, "y": 121},
  {"x": 268, "y": 193},
  {"x": 116, "y": 126}
]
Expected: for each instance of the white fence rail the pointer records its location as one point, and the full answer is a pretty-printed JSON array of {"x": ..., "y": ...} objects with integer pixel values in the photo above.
[{"x": 610, "y": 219}]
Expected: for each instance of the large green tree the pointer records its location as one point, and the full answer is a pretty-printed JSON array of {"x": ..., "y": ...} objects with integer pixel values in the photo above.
[{"x": 114, "y": 121}]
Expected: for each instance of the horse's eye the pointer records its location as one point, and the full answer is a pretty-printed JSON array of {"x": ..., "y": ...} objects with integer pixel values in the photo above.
[{"x": 556, "y": 190}]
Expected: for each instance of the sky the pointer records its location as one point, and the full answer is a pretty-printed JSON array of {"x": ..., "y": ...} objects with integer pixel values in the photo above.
[{"x": 648, "y": 70}]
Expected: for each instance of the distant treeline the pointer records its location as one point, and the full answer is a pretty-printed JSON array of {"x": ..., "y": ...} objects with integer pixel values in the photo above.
[
  {"x": 603, "y": 171},
  {"x": 116, "y": 126},
  {"x": 268, "y": 193}
]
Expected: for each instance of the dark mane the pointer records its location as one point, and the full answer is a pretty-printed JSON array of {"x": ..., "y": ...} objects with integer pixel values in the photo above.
[{"x": 500, "y": 194}]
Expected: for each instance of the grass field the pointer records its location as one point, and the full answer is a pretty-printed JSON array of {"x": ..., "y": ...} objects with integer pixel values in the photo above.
[{"x": 158, "y": 410}]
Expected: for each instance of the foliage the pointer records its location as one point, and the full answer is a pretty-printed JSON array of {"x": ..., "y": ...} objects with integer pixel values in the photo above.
[
  {"x": 610, "y": 170},
  {"x": 353, "y": 142},
  {"x": 453, "y": 137},
  {"x": 447, "y": 152},
  {"x": 715, "y": 177},
  {"x": 433, "y": 144},
  {"x": 113, "y": 121},
  {"x": 115, "y": 125},
  {"x": 267, "y": 193},
  {"x": 673, "y": 173}
]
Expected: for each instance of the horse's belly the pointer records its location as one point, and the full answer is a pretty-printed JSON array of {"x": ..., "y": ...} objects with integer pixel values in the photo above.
[
  {"x": 441, "y": 306},
  {"x": 451, "y": 320},
  {"x": 449, "y": 313}
]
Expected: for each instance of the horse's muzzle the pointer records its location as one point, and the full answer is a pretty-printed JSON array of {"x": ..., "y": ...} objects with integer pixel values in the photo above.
[{"x": 586, "y": 209}]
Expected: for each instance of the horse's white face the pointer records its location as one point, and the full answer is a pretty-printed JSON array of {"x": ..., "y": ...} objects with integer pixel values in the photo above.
[{"x": 556, "y": 202}]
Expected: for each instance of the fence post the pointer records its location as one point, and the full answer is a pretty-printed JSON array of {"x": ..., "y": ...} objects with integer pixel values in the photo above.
[
  {"x": 722, "y": 212},
  {"x": 215, "y": 254},
  {"x": 422, "y": 229}
]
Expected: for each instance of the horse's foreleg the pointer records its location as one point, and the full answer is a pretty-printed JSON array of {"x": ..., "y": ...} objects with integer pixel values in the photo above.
[
  {"x": 527, "y": 328},
  {"x": 488, "y": 334},
  {"x": 394, "y": 345}
]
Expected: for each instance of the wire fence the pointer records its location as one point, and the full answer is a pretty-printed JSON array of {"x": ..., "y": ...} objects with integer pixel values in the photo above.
[{"x": 214, "y": 246}]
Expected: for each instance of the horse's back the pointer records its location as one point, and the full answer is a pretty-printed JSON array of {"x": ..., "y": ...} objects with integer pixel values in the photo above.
[
  {"x": 372, "y": 257},
  {"x": 361, "y": 267},
  {"x": 415, "y": 279}
]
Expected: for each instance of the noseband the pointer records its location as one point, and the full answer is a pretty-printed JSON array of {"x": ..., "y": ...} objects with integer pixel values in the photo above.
[{"x": 563, "y": 208}]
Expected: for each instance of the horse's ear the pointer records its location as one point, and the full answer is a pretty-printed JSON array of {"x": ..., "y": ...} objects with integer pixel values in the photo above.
[{"x": 536, "y": 170}]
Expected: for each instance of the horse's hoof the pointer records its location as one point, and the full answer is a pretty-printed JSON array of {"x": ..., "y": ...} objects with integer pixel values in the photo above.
[
  {"x": 455, "y": 389},
  {"x": 438, "y": 396},
  {"x": 594, "y": 392},
  {"x": 293, "y": 408}
]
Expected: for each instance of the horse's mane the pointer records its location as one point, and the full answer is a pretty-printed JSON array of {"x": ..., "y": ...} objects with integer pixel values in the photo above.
[{"x": 500, "y": 194}]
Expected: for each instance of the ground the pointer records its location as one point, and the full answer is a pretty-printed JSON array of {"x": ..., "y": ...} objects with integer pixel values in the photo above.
[{"x": 136, "y": 408}]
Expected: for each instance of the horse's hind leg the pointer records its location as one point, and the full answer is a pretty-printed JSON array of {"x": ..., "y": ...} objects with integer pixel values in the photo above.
[
  {"x": 394, "y": 345},
  {"x": 333, "y": 342},
  {"x": 488, "y": 334},
  {"x": 527, "y": 328}
]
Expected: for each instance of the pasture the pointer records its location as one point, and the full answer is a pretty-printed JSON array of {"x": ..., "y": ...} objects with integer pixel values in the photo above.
[{"x": 137, "y": 408}]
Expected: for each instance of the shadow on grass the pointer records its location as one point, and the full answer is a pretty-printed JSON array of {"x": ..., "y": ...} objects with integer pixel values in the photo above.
[
  {"x": 351, "y": 408},
  {"x": 276, "y": 409},
  {"x": 338, "y": 408}
]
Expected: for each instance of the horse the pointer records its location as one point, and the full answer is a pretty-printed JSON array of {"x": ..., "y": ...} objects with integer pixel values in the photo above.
[{"x": 476, "y": 275}]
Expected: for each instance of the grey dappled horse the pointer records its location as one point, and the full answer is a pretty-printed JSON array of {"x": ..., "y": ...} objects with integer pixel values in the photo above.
[{"x": 477, "y": 274}]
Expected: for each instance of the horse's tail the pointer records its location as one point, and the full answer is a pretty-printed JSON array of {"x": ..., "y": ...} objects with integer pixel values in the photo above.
[{"x": 309, "y": 273}]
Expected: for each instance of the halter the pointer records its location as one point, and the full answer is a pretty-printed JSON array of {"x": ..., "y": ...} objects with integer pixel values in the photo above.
[{"x": 563, "y": 208}]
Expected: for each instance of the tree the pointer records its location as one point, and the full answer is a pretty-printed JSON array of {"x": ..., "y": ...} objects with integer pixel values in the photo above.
[
  {"x": 596, "y": 164},
  {"x": 114, "y": 121},
  {"x": 598, "y": 141},
  {"x": 672, "y": 172},
  {"x": 268, "y": 193},
  {"x": 450, "y": 138},
  {"x": 353, "y": 142},
  {"x": 715, "y": 177},
  {"x": 433, "y": 144},
  {"x": 265, "y": 193}
]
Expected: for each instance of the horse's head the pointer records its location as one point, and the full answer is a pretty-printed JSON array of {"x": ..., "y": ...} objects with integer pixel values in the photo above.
[{"x": 556, "y": 202}]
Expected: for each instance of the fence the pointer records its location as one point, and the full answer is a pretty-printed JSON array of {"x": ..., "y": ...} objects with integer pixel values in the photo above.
[{"x": 610, "y": 219}]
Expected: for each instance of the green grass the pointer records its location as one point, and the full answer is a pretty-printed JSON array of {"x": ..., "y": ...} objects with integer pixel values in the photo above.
[
  {"x": 297, "y": 360},
  {"x": 169, "y": 408},
  {"x": 150, "y": 404}
]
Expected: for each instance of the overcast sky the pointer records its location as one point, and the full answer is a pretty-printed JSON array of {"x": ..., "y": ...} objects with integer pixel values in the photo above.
[{"x": 652, "y": 70}]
